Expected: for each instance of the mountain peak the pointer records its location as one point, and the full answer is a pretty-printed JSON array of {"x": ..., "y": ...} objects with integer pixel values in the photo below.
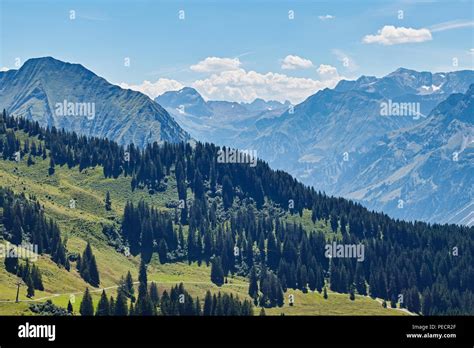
[
  {"x": 42, "y": 83},
  {"x": 402, "y": 70},
  {"x": 189, "y": 91},
  {"x": 45, "y": 62}
]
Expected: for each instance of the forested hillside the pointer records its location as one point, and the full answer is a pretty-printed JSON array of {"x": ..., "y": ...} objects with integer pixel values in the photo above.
[{"x": 248, "y": 221}]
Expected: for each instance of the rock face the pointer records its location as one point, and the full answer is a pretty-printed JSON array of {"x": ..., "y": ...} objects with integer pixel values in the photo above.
[
  {"x": 424, "y": 172},
  {"x": 69, "y": 96},
  {"x": 342, "y": 142}
]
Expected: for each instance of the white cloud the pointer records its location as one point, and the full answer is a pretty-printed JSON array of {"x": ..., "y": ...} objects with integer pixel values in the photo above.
[
  {"x": 241, "y": 85},
  {"x": 294, "y": 62},
  {"x": 216, "y": 64},
  {"x": 390, "y": 35},
  {"x": 326, "y": 17},
  {"x": 471, "y": 51},
  {"x": 451, "y": 25},
  {"x": 154, "y": 89},
  {"x": 327, "y": 72},
  {"x": 4, "y": 69}
]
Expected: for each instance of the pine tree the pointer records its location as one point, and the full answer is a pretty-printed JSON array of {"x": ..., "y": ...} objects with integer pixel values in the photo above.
[
  {"x": 11, "y": 263},
  {"x": 144, "y": 305},
  {"x": 108, "y": 202},
  {"x": 253, "y": 284},
  {"x": 217, "y": 273},
  {"x": 37, "y": 279},
  {"x": 88, "y": 267},
  {"x": 129, "y": 286},
  {"x": 208, "y": 304},
  {"x": 154, "y": 295},
  {"x": 87, "y": 307},
  {"x": 51, "y": 166},
  {"x": 69, "y": 307},
  {"x": 121, "y": 305},
  {"x": 30, "y": 292},
  {"x": 103, "y": 308},
  {"x": 227, "y": 192}
]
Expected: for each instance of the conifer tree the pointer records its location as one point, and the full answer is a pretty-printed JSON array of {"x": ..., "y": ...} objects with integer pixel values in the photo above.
[
  {"x": 207, "y": 310},
  {"x": 88, "y": 267},
  {"x": 87, "y": 307},
  {"x": 253, "y": 284},
  {"x": 154, "y": 295},
  {"x": 30, "y": 292},
  {"x": 103, "y": 305},
  {"x": 144, "y": 305},
  {"x": 69, "y": 307},
  {"x": 217, "y": 273},
  {"x": 108, "y": 202},
  {"x": 121, "y": 305},
  {"x": 37, "y": 279}
]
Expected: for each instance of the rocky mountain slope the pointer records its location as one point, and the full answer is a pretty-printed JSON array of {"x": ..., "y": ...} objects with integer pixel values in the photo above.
[{"x": 69, "y": 96}]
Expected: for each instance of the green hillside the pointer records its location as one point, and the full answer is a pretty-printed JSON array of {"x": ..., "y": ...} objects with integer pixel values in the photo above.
[{"x": 84, "y": 224}]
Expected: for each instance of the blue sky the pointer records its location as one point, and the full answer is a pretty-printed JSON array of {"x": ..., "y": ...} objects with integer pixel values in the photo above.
[{"x": 238, "y": 48}]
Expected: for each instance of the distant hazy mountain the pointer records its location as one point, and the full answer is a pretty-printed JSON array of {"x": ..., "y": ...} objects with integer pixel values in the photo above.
[
  {"x": 219, "y": 122},
  {"x": 331, "y": 138},
  {"x": 69, "y": 96},
  {"x": 328, "y": 140},
  {"x": 404, "y": 85},
  {"x": 425, "y": 172}
]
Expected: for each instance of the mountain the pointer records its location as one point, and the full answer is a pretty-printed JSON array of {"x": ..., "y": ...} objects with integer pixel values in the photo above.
[
  {"x": 405, "y": 85},
  {"x": 185, "y": 101},
  {"x": 69, "y": 96},
  {"x": 214, "y": 121},
  {"x": 327, "y": 139},
  {"x": 424, "y": 172},
  {"x": 261, "y": 105}
]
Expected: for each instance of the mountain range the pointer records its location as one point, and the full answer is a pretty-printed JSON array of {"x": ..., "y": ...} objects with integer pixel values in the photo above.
[
  {"x": 333, "y": 141},
  {"x": 414, "y": 163},
  {"x": 219, "y": 122}
]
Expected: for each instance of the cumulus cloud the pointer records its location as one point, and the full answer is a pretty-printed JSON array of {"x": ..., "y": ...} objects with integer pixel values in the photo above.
[
  {"x": 154, "y": 89},
  {"x": 327, "y": 72},
  {"x": 326, "y": 17},
  {"x": 294, "y": 62},
  {"x": 390, "y": 35},
  {"x": 240, "y": 85},
  {"x": 471, "y": 51},
  {"x": 244, "y": 86},
  {"x": 216, "y": 64}
]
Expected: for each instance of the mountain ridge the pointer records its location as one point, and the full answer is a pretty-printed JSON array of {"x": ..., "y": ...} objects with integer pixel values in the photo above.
[{"x": 41, "y": 84}]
